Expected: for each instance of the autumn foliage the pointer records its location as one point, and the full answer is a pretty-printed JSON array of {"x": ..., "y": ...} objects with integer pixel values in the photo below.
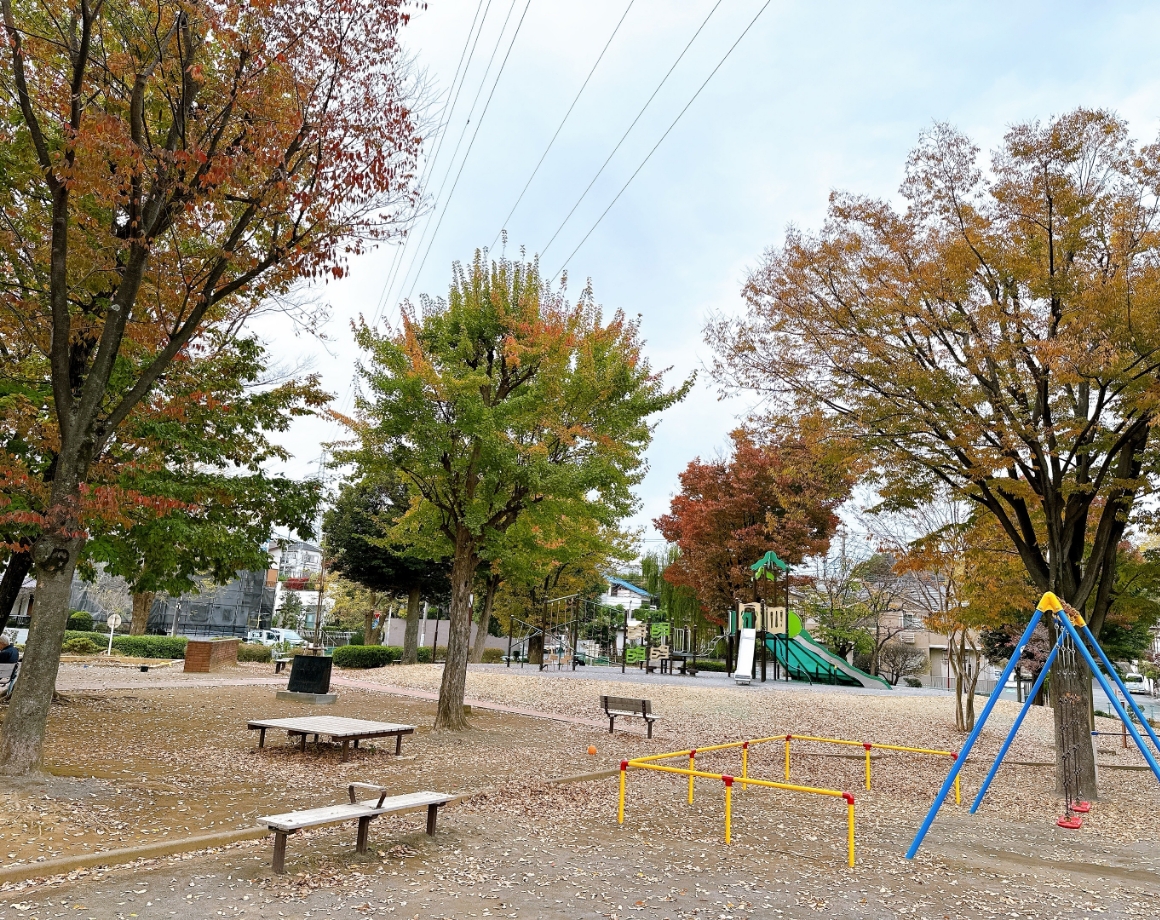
[{"x": 774, "y": 492}]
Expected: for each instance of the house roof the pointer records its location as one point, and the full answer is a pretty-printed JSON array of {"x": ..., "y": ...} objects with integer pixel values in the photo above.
[{"x": 628, "y": 584}]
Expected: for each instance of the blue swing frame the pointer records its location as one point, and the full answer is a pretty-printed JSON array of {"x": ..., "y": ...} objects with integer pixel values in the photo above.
[{"x": 1081, "y": 637}]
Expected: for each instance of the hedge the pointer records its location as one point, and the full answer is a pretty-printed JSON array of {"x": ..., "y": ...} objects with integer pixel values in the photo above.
[
  {"x": 707, "y": 664},
  {"x": 493, "y": 655},
  {"x": 151, "y": 646},
  {"x": 362, "y": 656},
  {"x": 255, "y": 651},
  {"x": 81, "y": 645},
  {"x": 81, "y": 621}
]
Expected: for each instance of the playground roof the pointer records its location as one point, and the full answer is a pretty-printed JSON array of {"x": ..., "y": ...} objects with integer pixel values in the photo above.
[{"x": 628, "y": 584}]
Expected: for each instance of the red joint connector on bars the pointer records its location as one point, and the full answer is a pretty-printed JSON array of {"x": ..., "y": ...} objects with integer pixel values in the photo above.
[
  {"x": 728, "y": 780},
  {"x": 789, "y": 737},
  {"x": 954, "y": 755},
  {"x": 693, "y": 753},
  {"x": 745, "y": 746},
  {"x": 623, "y": 765},
  {"x": 866, "y": 744},
  {"x": 849, "y": 798}
]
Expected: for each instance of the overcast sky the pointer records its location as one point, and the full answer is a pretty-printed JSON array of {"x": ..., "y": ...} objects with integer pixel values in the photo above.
[{"x": 816, "y": 97}]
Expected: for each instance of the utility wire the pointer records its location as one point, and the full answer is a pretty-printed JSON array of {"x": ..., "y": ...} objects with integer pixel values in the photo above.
[
  {"x": 449, "y": 110},
  {"x": 563, "y": 121},
  {"x": 628, "y": 131},
  {"x": 663, "y": 136},
  {"x": 459, "y": 143},
  {"x": 471, "y": 144}
]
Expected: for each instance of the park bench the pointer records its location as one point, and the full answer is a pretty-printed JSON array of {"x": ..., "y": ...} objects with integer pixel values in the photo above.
[
  {"x": 623, "y": 706},
  {"x": 8, "y": 679},
  {"x": 280, "y": 663},
  {"x": 363, "y": 812}
]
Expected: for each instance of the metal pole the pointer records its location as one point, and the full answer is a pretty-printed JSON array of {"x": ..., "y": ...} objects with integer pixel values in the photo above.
[
  {"x": 511, "y": 625},
  {"x": 1087, "y": 634},
  {"x": 973, "y": 736},
  {"x": 624, "y": 649},
  {"x": 435, "y": 641}
]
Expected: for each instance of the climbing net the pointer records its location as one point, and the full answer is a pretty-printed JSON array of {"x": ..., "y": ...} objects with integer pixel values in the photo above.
[{"x": 1070, "y": 673}]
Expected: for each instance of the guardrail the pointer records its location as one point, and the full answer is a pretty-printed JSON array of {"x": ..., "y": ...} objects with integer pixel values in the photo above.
[{"x": 868, "y": 746}]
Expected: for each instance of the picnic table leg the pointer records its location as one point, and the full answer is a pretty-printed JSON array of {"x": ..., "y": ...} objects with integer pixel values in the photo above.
[
  {"x": 280, "y": 852},
  {"x": 364, "y": 825},
  {"x": 432, "y": 814},
  {"x": 356, "y": 744},
  {"x": 398, "y": 745},
  {"x": 261, "y": 737}
]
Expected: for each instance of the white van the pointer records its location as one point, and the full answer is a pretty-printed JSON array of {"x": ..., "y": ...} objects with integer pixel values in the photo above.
[{"x": 275, "y": 637}]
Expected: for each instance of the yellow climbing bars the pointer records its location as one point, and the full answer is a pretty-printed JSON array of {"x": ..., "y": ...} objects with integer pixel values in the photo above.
[
  {"x": 867, "y": 746},
  {"x": 648, "y": 763}
]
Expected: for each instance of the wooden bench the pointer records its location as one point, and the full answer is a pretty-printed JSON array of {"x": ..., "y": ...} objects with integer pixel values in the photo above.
[
  {"x": 8, "y": 674},
  {"x": 623, "y": 706},
  {"x": 363, "y": 812},
  {"x": 280, "y": 663}
]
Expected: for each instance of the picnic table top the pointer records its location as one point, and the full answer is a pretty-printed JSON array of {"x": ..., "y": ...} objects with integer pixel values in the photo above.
[{"x": 333, "y": 726}]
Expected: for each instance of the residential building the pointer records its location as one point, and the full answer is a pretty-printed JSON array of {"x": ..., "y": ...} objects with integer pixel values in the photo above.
[{"x": 295, "y": 558}]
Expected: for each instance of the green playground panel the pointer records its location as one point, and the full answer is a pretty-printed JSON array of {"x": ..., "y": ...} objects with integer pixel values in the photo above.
[{"x": 801, "y": 664}]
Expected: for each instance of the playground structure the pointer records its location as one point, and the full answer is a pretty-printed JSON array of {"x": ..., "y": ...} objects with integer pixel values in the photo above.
[
  {"x": 744, "y": 779},
  {"x": 1074, "y": 642}
]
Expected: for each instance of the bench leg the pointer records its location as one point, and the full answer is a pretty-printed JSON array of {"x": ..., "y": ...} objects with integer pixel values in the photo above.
[
  {"x": 398, "y": 745},
  {"x": 649, "y": 722},
  {"x": 280, "y": 852},
  {"x": 432, "y": 814},
  {"x": 611, "y": 723},
  {"x": 304, "y": 742},
  {"x": 364, "y": 825},
  {"x": 345, "y": 751},
  {"x": 261, "y": 737}
]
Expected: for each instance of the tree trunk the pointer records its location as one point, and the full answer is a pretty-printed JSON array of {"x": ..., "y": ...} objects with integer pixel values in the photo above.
[
  {"x": 19, "y": 565},
  {"x": 22, "y": 736},
  {"x": 450, "y": 713},
  {"x": 411, "y": 634},
  {"x": 484, "y": 619},
  {"x": 142, "y": 604},
  {"x": 369, "y": 627}
]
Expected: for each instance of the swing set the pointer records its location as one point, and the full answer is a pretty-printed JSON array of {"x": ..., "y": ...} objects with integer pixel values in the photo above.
[{"x": 1074, "y": 644}]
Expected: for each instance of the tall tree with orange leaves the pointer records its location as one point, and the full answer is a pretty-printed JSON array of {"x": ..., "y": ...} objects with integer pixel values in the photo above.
[
  {"x": 774, "y": 491},
  {"x": 169, "y": 167},
  {"x": 999, "y": 335}
]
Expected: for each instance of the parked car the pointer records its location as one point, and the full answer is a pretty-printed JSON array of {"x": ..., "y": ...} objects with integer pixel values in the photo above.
[
  {"x": 1136, "y": 683},
  {"x": 275, "y": 637}
]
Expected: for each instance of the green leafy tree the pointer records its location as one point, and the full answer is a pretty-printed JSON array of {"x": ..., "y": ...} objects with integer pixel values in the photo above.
[
  {"x": 357, "y": 536},
  {"x": 1000, "y": 335},
  {"x": 499, "y": 399}
]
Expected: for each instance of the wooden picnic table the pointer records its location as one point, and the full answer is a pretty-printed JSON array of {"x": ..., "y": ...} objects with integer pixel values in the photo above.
[{"x": 335, "y": 728}]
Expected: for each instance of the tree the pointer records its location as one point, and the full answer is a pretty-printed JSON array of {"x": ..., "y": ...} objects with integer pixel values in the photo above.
[
  {"x": 290, "y": 612},
  {"x": 357, "y": 537},
  {"x": 500, "y": 399},
  {"x": 169, "y": 168},
  {"x": 999, "y": 336},
  {"x": 775, "y": 491},
  {"x": 897, "y": 660},
  {"x": 829, "y": 598}
]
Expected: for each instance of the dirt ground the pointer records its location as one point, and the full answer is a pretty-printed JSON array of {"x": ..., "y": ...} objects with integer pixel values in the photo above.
[{"x": 136, "y": 757}]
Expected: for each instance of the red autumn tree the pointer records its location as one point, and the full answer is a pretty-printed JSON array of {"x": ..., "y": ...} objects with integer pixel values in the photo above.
[
  {"x": 774, "y": 492},
  {"x": 165, "y": 169}
]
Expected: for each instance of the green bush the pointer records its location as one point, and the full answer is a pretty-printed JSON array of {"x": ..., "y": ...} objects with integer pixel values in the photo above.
[
  {"x": 81, "y": 646},
  {"x": 101, "y": 639},
  {"x": 362, "y": 656},
  {"x": 912, "y": 681},
  {"x": 254, "y": 651},
  {"x": 708, "y": 664},
  {"x": 357, "y": 638},
  {"x": 493, "y": 655},
  {"x": 425, "y": 654},
  {"x": 80, "y": 621},
  {"x": 150, "y": 646}
]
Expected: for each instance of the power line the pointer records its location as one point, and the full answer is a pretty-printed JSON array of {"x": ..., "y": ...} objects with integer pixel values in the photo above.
[
  {"x": 664, "y": 79},
  {"x": 453, "y": 95},
  {"x": 662, "y": 138},
  {"x": 544, "y": 155},
  {"x": 467, "y": 155},
  {"x": 459, "y": 142}
]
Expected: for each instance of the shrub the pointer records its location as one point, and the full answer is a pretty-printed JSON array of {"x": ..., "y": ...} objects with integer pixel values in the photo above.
[
  {"x": 425, "y": 654},
  {"x": 709, "y": 664},
  {"x": 357, "y": 638},
  {"x": 362, "y": 656},
  {"x": 493, "y": 655},
  {"x": 81, "y": 645},
  {"x": 95, "y": 637},
  {"x": 80, "y": 621},
  {"x": 254, "y": 651},
  {"x": 151, "y": 646},
  {"x": 912, "y": 681}
]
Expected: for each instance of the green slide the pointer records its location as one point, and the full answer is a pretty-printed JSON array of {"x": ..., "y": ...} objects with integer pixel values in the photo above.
[{"x": 805, "y": 659}]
